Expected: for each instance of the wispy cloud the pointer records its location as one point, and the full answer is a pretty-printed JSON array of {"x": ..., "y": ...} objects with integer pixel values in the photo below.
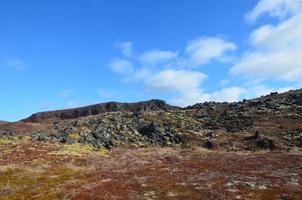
[
  {"x": 175, "y": 80},
  {"x": 126, "y": 48},
  {"x": 274, "y": 54},
  {"x": 17, "y": 64},
  {"x": 202, "y": 50},
  {"x": 176, "y": 72},
  {"x": 157, "y": 56},
  {"x": 275, "y": 8},
  {"x": 190, "y": 97},
  {"x": 121, "y": 66}
]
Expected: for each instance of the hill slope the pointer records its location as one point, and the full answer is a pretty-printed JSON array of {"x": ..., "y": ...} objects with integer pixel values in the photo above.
[
  {"x": 3, "y": 122},
  {"x": 151, "y": 105},
  {"x": 256, "y": 152},
  {"x": 269, "y": 122}
]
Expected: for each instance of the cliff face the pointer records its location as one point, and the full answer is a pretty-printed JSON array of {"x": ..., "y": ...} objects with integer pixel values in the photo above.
[{"x": 151, "y": 105}]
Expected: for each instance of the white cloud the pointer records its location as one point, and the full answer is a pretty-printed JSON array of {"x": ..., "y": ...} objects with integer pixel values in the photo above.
[
  {"x": 175, "y": 80},
  {"x": 227, "y": 94},
  {"x": 255, "y": 91},
  {"x": 274, "y": 54},
  {"x": 142, "y": 73},
  {"x": 275, "y": 8},
  {"x": 275, "y": 51},
  {"x": 126, "y": 48},
  {"x": 258, "y": 90},
  {"x": 171, "y": 72},
  {"x": 157, "y": 56},
  {"x": 190, "y": 97},
  {"x": 230, "y": 94},
  {"x": 285, "y": 89},
  {"x": 198, "y": 52},
  {"x": 203, "y": 50},
  {"x": 121, "y": 66},
  {"x": 284, "y": 35},
  {"x": 279, "y": 65},
  {"x": 187, "y": 86}
]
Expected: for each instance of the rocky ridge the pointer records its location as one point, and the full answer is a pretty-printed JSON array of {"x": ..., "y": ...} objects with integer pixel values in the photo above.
[
  {"x": 272, "y": 122},
  {"x": 145, "y": 106}
]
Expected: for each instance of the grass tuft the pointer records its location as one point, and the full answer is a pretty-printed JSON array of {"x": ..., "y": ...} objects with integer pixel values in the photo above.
[
  {"x": 78, "y": 149},
  {"x": 9, "y": 140}
]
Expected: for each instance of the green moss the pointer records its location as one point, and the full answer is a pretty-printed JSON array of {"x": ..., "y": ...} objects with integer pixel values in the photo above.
[
  {"x": 74, "y": 136},
  {"x": 118, "y": 142},
  {"x": 8, "y": 140},
  {"x": 18, "y": 184},
  {"x": 78, "y": 149}
]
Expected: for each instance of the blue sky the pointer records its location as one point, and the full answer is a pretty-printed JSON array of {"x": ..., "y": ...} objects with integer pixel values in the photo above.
[{"x": 57, "y": 54}]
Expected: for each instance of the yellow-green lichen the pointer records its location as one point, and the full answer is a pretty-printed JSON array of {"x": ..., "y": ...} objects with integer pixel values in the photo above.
[
  {"x": 7, "y": 140},
  {"x": 17, "y": 183},
  {"x": 74, "y": 136},
  {"x": 78, "y": 149}
]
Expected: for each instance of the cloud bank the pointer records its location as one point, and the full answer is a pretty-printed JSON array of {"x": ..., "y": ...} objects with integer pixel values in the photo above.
[
  {"x": 274, "y": 55},
  {"x": 177, "y": 72}
]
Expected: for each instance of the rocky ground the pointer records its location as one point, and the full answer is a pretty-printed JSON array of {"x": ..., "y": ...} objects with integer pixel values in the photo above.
[
  {"x": 33, "y": 170},
  {"x": 271, "y": 122},
  {"x": 150, "y": 150}
]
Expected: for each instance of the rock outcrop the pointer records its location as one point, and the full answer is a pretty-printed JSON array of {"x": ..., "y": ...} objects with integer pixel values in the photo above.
[
  {"x": 272, "y": 122},
  {"x": 152, "y": 105}
]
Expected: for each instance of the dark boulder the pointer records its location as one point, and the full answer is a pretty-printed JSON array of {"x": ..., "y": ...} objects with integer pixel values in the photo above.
[
  {"x": 208, "y": 144},
  {"x": 266, "y": 144}
]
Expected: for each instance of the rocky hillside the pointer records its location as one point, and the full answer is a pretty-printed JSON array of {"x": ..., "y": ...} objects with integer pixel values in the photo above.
[
  {"x": 145, "y": 106},
  {"x": 255, "y": 152},
  {"x": 272, "y": 122}
]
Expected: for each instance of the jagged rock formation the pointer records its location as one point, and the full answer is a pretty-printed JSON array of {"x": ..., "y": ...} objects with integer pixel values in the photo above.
[
  {"x": 152, "y": 105},
  {"x": 272, "y": 122}
]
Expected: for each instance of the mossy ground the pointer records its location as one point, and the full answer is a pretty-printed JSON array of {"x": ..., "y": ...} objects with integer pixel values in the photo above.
[
  {"x": 77, "y": 149},
  {"x": 32, "y": 170},
  {"x": 22, "y": 183},
  {"x": 8, "y": 140}
]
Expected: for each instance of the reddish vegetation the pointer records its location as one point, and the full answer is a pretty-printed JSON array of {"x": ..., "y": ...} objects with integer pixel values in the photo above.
[
  {"x": 19, "y": 127},
  {"x": 3, "y": 122},
  {"x": 160, "y": 173},
  {"x": 244, "y": 150}
]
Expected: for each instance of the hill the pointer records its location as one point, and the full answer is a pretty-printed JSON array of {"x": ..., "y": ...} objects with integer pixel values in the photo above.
[
  {"x": 250, "y": 149},
  {"x": 269, "y": 122},
  {"x": 145, "y": 106}
]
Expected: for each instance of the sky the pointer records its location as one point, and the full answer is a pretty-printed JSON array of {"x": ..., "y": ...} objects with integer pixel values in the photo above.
[{"x": 58, "y": 54}]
